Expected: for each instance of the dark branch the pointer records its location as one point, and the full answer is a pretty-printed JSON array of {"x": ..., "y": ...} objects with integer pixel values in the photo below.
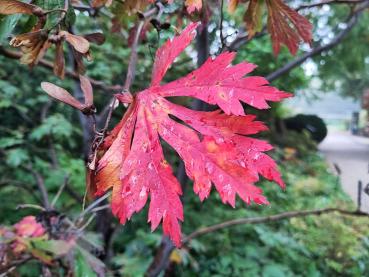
[
  {"x": 41, "y": 186},
  {"x": 268, "y": 219},
  {"x": 328, "y": 2}
]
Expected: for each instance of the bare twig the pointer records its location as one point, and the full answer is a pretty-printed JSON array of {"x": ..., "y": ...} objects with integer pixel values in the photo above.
[
  {"x": 327, "y": 2},
  {"x": 268, "y": 219},
  {"x": 10, "y": 267},
  {"x": 30, "y": 206},
  {"x": 88, "y": 222},
  {"x": 166, "y": 251},
  {"x": 244, "y": 38},
  {"x": 41, "y": 186},
  {"x": 222, "y": 40},
  {"x": 93, "y": 205},
  {"x": 62, "y": 187}
]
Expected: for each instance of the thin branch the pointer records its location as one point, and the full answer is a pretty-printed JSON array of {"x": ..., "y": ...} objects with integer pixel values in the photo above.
[
  {"x": 131, "y": 71},
  {"x": 93, "y": 205},
  {"x": 222, "y": 40},
  {"x": 41, "y": 186},
  {"x": 244, "y": 38},
  {"x": 268, "y": 219},
  {"x": 30, "y": 206},
  {"x": 133, "y": 58},
  {"x": 328, "y": 2},
  {"x": 61, "y": 189},
  {"x": 49, "y": 65},
  {"x": 299, "y": 60},
  {"x": 166, "y": 251},
  {"x": 13, "y": 265}
]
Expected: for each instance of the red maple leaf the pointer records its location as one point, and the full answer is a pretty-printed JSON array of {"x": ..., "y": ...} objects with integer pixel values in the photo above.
[
  {"x": 287, "y": 26},
  {"x": 213, "y": 145}
]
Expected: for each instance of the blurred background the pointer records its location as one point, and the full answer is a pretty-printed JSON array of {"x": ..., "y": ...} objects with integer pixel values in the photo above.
[{"x": 320, "y": 138}]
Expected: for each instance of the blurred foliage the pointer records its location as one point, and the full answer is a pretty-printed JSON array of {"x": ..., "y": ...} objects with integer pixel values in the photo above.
[
  {"x": 345, "y": 68},
  {"x": 327, "y": 245}
]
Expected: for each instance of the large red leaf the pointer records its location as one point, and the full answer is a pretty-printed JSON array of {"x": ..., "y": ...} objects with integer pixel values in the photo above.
[{"x": 213, "y": 145}]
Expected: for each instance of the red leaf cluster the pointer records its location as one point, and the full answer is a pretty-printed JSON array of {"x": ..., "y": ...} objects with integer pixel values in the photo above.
[{"x": 213, "y": 145}]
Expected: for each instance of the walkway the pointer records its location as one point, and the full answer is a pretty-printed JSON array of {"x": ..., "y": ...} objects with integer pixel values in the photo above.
[{"x": 351, "y": 154}]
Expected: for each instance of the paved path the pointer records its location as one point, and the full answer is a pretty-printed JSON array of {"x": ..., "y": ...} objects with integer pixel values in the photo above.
[{"x": 351, "y": 154}]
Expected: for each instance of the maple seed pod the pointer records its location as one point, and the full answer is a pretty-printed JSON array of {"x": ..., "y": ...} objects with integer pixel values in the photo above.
[
  {"x": 9, "y": 7},
  {"x": 33, "y": 46}
]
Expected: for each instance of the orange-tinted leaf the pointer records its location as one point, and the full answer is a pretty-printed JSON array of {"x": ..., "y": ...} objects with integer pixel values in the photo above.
[
  {"x": 232, "y": 5},
  {"x": 213, "y": 145},
  {"x": 33, "y": 46},
  {"x": 118, "y": 143},
  {"x": 14, "y": 6},
  {"x": 99, "y": 3},
  {"x": 253, "y": 17},
  {"x": 134, "y": 6},
  {"x": 80, "y": 44},
  {"x": 286, "y": 26},
  {"x": 61, "y": 95},
  {"x": 193, "y": 5}
]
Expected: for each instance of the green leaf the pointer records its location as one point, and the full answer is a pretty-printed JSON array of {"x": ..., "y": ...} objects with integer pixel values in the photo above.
[
  {"x": 55, "y": 247},
  {"x": 9, "y": 141},
  {"x": 274, "y": 270},
  {"x": 7, "y": 24},
  {"x": 87, "y": 265},
  {"x": 55, "y": 125},
  {"x": 70, "y": 17},
  {"x": 17, "y": 156},
  {"x": 52, "y": 18}
]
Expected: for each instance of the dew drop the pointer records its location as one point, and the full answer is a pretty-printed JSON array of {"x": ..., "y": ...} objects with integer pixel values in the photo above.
[
  {"x": 243, "y": 164},
  {"x": 221, "y": 177},
  {"x": 227, "y": 189},
  {"x": 209, "y": 168},
  {"x": 134, "y": 179},
  {"x": 150, "y": 166},
  {"x": 126, "y": 192},
  {"x": 145, "y": 147},
  {"x": 257, "y": 155},
  {"x": 220, "y": 140},
  {"x": 143, "y": 193}
]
